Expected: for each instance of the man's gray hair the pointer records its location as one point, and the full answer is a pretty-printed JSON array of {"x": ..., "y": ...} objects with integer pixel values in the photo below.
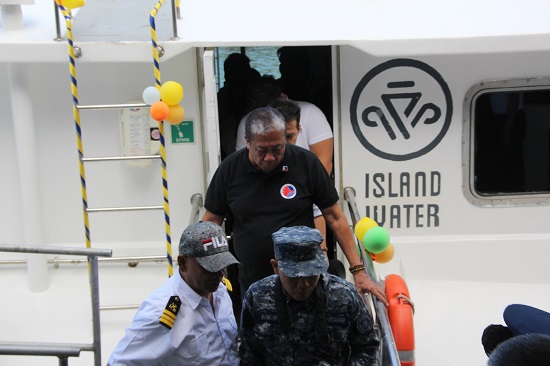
[{"x": 262, "y": 121}]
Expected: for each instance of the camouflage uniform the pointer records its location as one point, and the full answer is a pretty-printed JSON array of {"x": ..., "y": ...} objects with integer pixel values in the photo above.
[{"x": 348, "y": 337}]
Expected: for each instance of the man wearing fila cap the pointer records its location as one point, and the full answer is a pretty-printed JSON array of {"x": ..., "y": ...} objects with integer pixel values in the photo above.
[
  {"x": 188, "y": 320},
  {"x": 303, "y": 315}
]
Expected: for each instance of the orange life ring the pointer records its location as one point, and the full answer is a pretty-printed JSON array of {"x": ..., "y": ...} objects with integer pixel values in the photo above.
[{"x": 400, "y": 315}]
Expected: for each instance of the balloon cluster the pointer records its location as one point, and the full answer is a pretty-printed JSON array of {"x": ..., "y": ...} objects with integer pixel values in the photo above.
[
  {"x": 165, "y": 102},
  {"x": 70, "y": 4},
  {"x": 375, "y": 239}
]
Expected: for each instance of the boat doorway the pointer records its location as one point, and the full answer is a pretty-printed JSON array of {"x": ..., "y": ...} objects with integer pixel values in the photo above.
[{"x": 303, "y": 73}]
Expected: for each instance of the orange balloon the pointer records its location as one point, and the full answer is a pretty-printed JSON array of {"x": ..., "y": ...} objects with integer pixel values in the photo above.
[
  {"x": 176, "y": 115},
  {"x": 159, "y": 111},
  {"x": 385, "y": 256}
]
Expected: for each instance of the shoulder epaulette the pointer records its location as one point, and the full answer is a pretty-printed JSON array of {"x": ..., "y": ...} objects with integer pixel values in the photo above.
[{"x": 168, "y": 316}]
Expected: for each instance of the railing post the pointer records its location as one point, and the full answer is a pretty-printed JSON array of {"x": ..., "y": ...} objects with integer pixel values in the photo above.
[
  {"x": 196, "y": 204},
  {"x": 63, "y": 361},
  {"x": 94, "y": 286}
]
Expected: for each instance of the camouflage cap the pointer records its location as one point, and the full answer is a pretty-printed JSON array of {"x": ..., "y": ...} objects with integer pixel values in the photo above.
[
  {"x": 298, "y": 251},
  {"x": 206, "y": 242}
]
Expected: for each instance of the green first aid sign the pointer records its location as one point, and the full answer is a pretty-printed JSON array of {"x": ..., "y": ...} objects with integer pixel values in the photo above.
[{"x": 183, "y": 133}]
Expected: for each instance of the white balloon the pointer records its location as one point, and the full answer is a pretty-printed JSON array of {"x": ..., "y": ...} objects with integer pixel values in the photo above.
[{"x": 151, "y": 95}]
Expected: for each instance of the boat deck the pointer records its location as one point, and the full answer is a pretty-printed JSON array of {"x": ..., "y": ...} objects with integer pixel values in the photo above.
[
  {"x": 120, "y": 21},
  {"x": 118, "y": 31}
]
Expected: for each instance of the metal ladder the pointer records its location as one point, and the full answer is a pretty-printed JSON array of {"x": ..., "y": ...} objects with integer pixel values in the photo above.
[
  {"x": 82, "y": 159},
  {"x": 85, "y": 160}
]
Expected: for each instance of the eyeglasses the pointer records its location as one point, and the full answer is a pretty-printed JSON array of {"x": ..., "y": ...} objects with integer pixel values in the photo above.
[{"x": 263, "y": 151}]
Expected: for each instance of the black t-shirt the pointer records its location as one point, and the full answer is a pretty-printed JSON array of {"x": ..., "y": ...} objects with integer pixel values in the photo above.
[{"x": 262, "y": 203}]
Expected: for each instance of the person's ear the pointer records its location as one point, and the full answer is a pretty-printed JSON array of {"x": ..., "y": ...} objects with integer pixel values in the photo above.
[
  {"x": 182, "y": 260},
  {"x": 275, "y": 266},
  {"x": 247, "y": 142}
]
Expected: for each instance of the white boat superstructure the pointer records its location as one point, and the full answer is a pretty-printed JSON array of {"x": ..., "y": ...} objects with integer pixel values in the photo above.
[{"x": 409, "y": 85}]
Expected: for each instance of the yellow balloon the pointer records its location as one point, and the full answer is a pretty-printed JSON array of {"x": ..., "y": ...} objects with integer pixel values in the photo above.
[
  {"x": 70, "y": 4},
  {"x": 363, "y": 226},
  {"x": 171, "y": 93},
  {"x": 176, "y": 115},
  {"x": 386, "y": 255}
]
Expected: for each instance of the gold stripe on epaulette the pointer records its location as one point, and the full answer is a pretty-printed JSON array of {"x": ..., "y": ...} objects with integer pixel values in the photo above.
[
  {"x": 168, "y": 316},
  {"x": 167, "y": 320}
]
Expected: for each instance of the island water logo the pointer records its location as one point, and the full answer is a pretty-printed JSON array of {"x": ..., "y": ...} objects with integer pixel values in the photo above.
[{"x": 401, "y": 109}]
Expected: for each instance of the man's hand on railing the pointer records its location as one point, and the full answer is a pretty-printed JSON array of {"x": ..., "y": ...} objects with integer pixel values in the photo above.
[{"x": 364, "y": 284}]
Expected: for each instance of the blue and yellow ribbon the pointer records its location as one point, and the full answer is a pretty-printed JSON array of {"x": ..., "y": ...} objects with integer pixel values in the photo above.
[
  {"x": 162, "y": 141},
  {"x": 76, "y": 114}
]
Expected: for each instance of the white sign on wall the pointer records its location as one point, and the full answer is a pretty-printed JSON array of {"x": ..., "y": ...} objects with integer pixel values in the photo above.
[{"x": 399, "y": 111}]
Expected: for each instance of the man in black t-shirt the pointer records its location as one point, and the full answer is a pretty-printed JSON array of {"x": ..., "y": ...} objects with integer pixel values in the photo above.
[{"x": 270, "y": 185}]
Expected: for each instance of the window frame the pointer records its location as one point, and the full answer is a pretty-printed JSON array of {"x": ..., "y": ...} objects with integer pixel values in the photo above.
[{"x": 468, "y": 146}]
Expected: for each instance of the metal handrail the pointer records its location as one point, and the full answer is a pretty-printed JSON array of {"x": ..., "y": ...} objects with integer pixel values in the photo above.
[
  {"x": 390, "y": 356},
  {"x": 60, "y": 350},
  {"x": 196, "y": 205},
  {"x": 63, "y": 350},
  {"x": 57, "y": 261}
]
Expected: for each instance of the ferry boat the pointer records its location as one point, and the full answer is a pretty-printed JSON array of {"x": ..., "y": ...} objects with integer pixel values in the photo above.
[{"x": 440, "y": 116}]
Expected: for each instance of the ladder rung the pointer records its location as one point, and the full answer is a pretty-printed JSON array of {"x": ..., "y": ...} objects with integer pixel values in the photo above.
[
  {"x": 142, "y": 208},
  {"x": 114, "y": 158},
  {"x": 119, "y": 307},
  {"x": 113, "y": 106},
  {"x": 134, "y": 259}
]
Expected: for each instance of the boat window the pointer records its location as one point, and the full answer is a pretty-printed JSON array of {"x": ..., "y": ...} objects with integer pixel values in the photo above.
[{"x": 509, "y": 143}]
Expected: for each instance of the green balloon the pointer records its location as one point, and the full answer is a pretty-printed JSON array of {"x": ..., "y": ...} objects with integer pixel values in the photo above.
[{"x": 376, "y": 240}]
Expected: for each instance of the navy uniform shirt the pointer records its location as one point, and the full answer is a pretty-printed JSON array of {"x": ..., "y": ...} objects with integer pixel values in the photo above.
[
  {"x": 262, "y": 203},
  {"x": 200, "y": 334},
  {"x": 349, "y": 324}
]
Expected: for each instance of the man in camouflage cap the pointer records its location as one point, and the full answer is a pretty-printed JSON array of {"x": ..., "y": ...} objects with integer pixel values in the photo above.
[{"x": 302, "y": 315}]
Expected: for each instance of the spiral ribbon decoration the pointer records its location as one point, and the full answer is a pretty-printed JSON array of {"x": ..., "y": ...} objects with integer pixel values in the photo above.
[
  {"x": 162, "y": 140},
  {"x": 76, "y": 115}
]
